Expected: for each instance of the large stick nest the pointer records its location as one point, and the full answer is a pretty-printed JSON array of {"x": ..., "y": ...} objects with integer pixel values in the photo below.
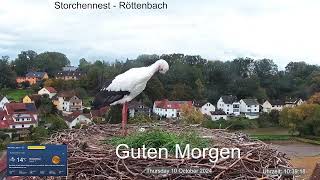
[{"x": 90, "y": 158}]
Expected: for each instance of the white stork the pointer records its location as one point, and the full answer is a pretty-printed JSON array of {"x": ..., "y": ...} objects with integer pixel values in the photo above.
[{"x": 126, "y": 86}]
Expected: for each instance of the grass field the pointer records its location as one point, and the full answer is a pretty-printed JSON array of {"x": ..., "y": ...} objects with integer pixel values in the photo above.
[
  {"x": 269, "y": 134},
  {"x": 267, "y": 131},
  {"x": 277, "y": 134},
  {"x": 18, "y": 94}
]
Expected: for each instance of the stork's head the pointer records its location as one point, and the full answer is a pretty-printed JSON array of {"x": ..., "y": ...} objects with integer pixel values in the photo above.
[{"x": 163, "y": 66}]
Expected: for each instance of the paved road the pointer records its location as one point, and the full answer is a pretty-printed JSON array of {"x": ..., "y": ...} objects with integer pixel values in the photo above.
[{"x": 296, "y": 148}]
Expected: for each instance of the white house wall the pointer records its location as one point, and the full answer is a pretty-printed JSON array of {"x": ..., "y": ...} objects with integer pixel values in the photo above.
[
  {"x": 3, "y": 101},
  {"x": 244, "y": 108},
  {"x": 207, "y": 108},
  {"x": 79, "y": 119}
]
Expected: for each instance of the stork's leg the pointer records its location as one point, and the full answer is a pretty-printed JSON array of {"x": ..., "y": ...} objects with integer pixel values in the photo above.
[{"x": 124, "y": 118}]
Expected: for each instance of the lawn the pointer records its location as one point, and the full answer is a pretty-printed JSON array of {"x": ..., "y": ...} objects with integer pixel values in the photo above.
[
  {"x": 267, "y": 131},
  {"x": 278, "y": 134},
  {"x": 17, "y": 94},
  {"x": 269, "y": 134}
]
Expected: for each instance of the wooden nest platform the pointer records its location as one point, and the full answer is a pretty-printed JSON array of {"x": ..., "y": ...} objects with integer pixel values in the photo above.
[{"x": 90, "y": 158}]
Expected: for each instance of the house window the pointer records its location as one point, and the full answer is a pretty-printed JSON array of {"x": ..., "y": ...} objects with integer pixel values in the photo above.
[
  {"x": 22, "y": 125},
  {"x": 13, "y": 127}
]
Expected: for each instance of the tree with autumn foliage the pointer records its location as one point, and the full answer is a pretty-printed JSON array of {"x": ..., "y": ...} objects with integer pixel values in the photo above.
[
  {"x": 314, "y": 99},
  {"x": 304, "y": 119},
  {"x": 190, "y": 115}
]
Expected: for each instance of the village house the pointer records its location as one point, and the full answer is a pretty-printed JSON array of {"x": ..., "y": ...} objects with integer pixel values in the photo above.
[
  {"x": 293, "y": 102},
  {"x": 229, "y": 104},
  {"x": 34, "y": 98},
  {"x": 3, "y": 100},
  {"x": 205, "y": 107},
  {"x": 270, "y": 105},
  {"x": 169, "y": 109},
  {"x": 32, "y": 77},
  {"x": 218, "y": 114},
  {"x": 69, "y": 68},
  {"x": 77, "y": 118},
  {"x": 138, "y": 107},
  {"x": 67, "y": 102},
  {"x": 250, "y": 108},
  {"x": 50, "y": 91},
  {"x": 19, "y": 116},
  {"x": 69, "y": 73}
]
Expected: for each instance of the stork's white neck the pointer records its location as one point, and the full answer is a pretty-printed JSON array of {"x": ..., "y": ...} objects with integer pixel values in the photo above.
[{"x": 154, "y": 67}]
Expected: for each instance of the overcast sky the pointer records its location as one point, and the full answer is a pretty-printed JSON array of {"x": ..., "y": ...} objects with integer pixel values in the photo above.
[{"x": 284, "y": 30}]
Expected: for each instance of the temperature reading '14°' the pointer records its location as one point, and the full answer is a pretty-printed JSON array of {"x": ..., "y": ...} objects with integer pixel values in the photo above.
[{"x": 21, "y": 159}]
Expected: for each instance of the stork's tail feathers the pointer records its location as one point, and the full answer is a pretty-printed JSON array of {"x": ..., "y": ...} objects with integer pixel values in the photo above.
[{"x": 105, "y": 98}]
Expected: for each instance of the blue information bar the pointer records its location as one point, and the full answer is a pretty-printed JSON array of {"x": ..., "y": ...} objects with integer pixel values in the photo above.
[{"x": 37, "y": 160}]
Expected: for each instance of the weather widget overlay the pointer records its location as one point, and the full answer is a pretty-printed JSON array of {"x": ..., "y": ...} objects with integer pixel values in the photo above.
[{"x": 39, "y": 160}]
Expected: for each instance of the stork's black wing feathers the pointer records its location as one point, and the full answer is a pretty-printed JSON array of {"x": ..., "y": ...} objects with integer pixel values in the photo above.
[{"x": 105, "y": 98}]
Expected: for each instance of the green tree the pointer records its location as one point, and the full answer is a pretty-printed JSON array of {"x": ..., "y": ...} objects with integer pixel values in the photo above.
[
  {"x": 7, "y": 76},
  {"x": 114, "y": 115},
  {"x": 51, "y": 62},
  {"x": 46, "y": 107},
  {"x": 25, "y": 62},
  {"x": 39, "y": 134}
]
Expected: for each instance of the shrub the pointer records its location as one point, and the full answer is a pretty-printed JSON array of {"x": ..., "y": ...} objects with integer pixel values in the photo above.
[
  {"x": 140, "y": 119},
  {"x": 113, "y": 116},
  {"x": 190, "y": 115},
  {"x": 242, "y": 123},
  {"x": 219, "y": 124},
  {"x": 57, "y": 123},
  {"x": 233, "y": 124},
  {"x": 269, "y": 119},
  {"x": 38, "y": 134}
]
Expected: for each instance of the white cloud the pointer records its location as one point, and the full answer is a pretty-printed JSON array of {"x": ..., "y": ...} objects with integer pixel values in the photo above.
[{"x": 283, "y": 30}]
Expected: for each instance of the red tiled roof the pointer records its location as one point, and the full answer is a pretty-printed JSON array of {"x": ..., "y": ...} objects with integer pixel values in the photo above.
[
  {"x": 10, "y": 120},
  {"x": 15, "y": 110},
  {"x": 20, "y": 107},
  {"x": 15, "y": 107},
  {"x": 166, "y": 104},
  {"x": 4, "y": 124},
  {"x": 2, "y": 114},
  {"x": 51, "y": 89},
  {"x": 74, "y": 115}
]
